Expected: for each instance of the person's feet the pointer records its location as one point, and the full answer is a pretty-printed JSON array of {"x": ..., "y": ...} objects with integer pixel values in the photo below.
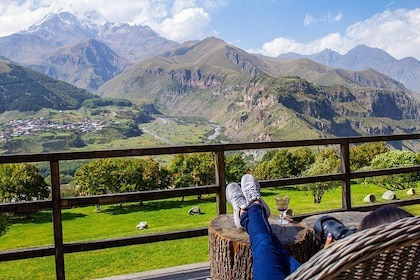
[
  {"x": 235, "y": 197},
  {"x": 251, "y": 191}
]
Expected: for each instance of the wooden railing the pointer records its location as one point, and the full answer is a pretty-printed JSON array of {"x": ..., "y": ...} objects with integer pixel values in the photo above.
[{"x": 57, "y": 203}]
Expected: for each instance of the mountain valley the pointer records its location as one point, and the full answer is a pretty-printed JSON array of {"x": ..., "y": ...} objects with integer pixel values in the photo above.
[{"x": 252, "y": 97}]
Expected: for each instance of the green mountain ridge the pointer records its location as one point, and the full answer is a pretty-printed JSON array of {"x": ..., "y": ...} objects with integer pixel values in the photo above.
[{"x": 23, "y": 89}]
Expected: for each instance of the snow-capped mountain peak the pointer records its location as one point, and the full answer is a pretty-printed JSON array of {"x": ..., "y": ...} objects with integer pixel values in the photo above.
[{"x": 66, "y": 27}]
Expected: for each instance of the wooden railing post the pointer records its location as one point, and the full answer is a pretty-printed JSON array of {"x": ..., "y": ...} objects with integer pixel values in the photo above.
[
  {"x": 221, "y": 181},
  {"x": 57, "y": 220},
  {"x": 345, "y": 168}
]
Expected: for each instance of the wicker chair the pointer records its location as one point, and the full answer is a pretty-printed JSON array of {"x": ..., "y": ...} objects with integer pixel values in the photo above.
[{"x": 389, "y": 251}]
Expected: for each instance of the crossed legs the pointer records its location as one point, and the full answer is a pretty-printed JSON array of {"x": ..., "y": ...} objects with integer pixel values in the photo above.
[{"x": 270, "y": 259}]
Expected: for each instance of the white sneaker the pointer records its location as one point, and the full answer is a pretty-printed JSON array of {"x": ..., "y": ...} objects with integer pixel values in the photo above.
[
  {"x": 235, "y": 197},
  {"x": 251, "y": 190}
]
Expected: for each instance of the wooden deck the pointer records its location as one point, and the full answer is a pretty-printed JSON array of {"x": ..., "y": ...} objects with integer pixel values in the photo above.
[{"x": 197, "y": 271}]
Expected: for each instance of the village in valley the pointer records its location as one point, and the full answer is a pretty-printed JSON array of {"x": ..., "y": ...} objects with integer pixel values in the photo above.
[{"x": 33, "y": 126}]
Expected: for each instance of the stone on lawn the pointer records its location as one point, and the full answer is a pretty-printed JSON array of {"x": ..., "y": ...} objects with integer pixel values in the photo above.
[
  {"x": 194, "y": 211},
  {"x": 142, "y": 225},
  {"x": 389, "y": 195},
  {"x": 370, "y": 198},
  {"x": 411, "y": 191}
]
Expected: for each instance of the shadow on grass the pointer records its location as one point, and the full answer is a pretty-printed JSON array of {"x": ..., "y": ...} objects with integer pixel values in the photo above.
[
  {"x": 40, "y": 217},
  {"x": 268, "y": 192},
  {"x": 156, "y": 205},
  {"x": 273, "y": 191}
]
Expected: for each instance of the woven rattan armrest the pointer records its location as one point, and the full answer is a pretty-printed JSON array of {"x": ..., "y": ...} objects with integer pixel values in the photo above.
[{"x": 390, "y": 251}]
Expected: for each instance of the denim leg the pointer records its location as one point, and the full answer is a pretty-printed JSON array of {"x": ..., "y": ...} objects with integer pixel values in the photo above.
[{"x": 270, "y": 259}]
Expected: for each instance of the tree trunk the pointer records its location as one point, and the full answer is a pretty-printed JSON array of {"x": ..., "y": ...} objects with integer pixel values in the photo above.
[{"x": 230, "y": 251}]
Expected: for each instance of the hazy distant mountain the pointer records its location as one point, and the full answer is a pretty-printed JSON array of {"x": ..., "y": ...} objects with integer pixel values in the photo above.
[
  {"x": 222, "y": 83},
  {"x": 323, "y": 75},
  {"x": 43, "y": 45},
  {"x": 134, "y": 43},
  {"x": 24, "y": 89},
  {"x": 406, "y": 70},
  {"x": 326, "y": 57},
  {"x": 4, "y": 59},
  {"x": 86, "y": 65},
  {"x": 24, "y": 48}
]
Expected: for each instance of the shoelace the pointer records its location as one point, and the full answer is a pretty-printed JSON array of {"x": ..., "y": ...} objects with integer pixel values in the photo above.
[
  {"x": 238, "y": 200},
  {"x": 252, "y": 193}
]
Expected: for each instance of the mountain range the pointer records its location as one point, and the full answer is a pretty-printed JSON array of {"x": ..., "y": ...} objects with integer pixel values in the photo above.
[
  {"x": 252, "y": 97},
  {"x": 245, "y": 94},
  {"x": 82, "y": 50},
  {"x": 406, "y": 70}
]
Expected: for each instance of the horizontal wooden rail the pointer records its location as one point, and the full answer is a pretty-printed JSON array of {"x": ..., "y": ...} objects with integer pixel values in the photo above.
[
  {"x": 101, "y": 244},
  {"x": 65, "y": 156},
  {"x": 365, "y": 208},
  {"x": 57, "y": 204},
  {"x": 382, "y": 172}
]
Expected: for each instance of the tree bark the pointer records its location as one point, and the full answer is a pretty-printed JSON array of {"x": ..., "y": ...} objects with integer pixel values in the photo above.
[{"x": 230, "y": 252}]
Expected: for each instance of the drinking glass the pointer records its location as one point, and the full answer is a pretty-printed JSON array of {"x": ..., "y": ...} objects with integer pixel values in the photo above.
[{"x": 282, "y": 204}]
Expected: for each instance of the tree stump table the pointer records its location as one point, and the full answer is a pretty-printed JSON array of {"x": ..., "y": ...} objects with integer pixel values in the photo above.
[{"x": 230, "y": 250}]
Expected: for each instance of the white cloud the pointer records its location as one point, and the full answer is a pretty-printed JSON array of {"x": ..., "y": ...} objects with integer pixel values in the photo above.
[
  {"x": 25, "y": 12},
  {"x": 337, "y": 18},
  {"x": 397, "y": 32},
  {"x": 180, "y": 5},
  {"x": 285, "y": 45},
  {"x": 178, "y": 20},
  {"x": 311, "y": 20},
  {"x": 186, "y": 25}
]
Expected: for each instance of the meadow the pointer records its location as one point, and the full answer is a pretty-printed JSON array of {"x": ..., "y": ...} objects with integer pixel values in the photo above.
[{"x": 84, "y": 223}]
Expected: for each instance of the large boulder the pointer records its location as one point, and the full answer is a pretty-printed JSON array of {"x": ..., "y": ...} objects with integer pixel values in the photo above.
[
  {"x": 194, "y": 211},
  {"x": 142, "y": 225},
  {"x": 389, "y": 195}
]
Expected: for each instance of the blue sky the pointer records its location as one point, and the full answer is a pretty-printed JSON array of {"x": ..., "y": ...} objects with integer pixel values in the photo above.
[{"x": 270, "y": 27}]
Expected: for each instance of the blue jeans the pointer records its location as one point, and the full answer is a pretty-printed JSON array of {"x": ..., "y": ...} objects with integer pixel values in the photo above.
[{"x": 270, "y": 259}]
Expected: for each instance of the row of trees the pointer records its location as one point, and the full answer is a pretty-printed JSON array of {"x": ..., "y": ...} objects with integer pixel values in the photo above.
[
  {"x": 104, "y": 176},
  {"x": 20, "y": 182},
  {"x": 23, "y": 182}
]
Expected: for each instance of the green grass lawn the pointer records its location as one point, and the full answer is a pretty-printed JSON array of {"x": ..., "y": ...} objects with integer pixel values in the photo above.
[{"x": 83, "y": 223}]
